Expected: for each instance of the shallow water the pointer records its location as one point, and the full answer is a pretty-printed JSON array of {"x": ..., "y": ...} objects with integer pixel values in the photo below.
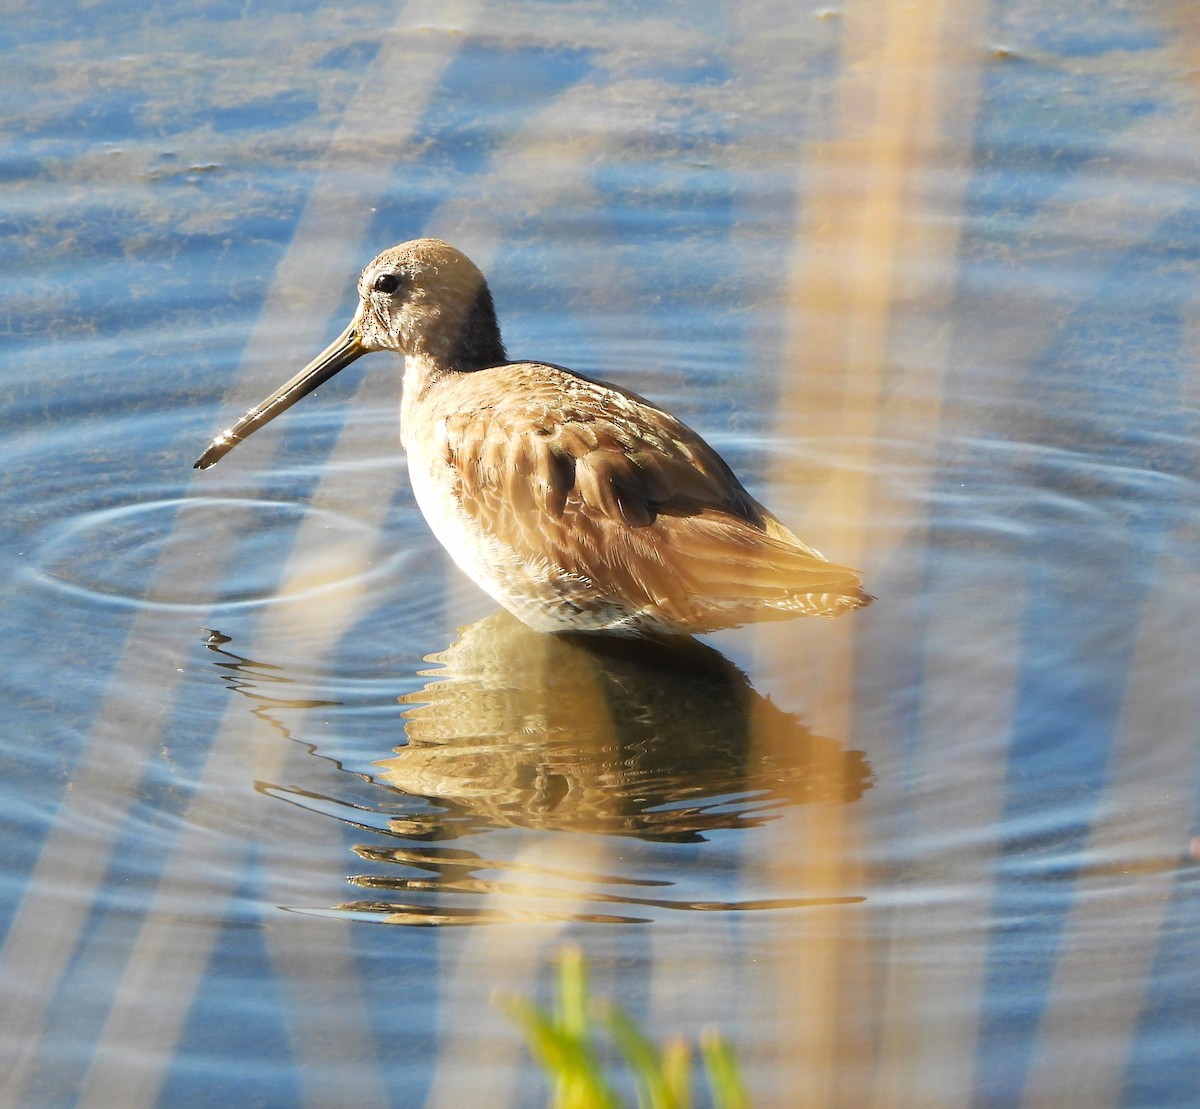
[{"x": 924, "y": 274}]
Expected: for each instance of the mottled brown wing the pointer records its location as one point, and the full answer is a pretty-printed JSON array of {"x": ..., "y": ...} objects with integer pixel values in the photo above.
[{"x": 610, "y": 490}]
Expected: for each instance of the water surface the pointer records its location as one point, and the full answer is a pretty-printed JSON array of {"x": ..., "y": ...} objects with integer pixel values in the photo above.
[{"x": 284, "y": 799}]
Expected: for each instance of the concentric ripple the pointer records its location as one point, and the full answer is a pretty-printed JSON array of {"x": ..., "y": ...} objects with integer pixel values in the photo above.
[{"x": 146, "y": 554}]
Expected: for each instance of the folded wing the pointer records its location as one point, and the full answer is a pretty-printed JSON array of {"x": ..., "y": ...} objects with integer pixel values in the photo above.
[{"x": 623, "y": 499}]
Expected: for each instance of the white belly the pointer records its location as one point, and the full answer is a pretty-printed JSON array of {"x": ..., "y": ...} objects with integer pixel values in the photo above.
[{"x": 536, "y": 593}]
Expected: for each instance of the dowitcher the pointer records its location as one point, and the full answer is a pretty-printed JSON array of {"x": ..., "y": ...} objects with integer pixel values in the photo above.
[{"x": 578, "y": 505}]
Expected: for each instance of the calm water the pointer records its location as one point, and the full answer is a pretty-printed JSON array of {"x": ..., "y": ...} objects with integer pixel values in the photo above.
[{"x": 926, "y": 277}]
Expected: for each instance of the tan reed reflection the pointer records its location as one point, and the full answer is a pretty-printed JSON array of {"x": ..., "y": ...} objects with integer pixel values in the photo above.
[{"x": 871, "y": 280}]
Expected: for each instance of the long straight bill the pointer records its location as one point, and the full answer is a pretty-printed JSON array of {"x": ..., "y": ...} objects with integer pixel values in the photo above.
[{"x": 337, "y": 356}]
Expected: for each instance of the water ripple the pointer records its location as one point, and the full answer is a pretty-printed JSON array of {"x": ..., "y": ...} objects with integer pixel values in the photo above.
[{"x": 110, "y": 555}]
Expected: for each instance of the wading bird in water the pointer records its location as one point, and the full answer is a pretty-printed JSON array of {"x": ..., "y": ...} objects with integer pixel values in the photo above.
[{"x": 578, "y": 505}]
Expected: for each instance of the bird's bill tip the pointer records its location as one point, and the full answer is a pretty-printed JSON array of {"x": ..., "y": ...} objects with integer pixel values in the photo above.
[
  {"x": 215, "y": 451},
  {"x": 337, "y": 356}
]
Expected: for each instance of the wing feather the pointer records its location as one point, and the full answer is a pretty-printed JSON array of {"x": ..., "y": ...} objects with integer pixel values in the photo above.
[{"x": 622, "y": 498}]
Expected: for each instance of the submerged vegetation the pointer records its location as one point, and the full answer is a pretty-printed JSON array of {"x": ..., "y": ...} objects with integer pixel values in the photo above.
[{"x": 567, "y": 1045}]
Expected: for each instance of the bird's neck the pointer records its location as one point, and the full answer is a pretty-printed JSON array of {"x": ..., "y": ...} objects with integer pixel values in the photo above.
[
  {"x": 423, "y": 370},
  {"x": 460, "y": 342},
  {"x": 456, "y": 337},
  {"x": 475, "y": 343},
  {"x": 421, "y": 373}
]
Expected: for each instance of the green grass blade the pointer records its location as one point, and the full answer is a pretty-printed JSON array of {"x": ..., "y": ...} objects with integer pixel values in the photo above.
[
  {"x": 563, "y": 1043},
  {"x": 572, "y": 993},
  {"x": 569, "y": 1061},
  {"x": 677, "y": 1072},
  {"x": 724, "y": 1075},
  {"x": 642, "y": 1057}
]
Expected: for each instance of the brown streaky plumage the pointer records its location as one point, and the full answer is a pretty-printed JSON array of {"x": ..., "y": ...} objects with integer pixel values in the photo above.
[{"x": 576, "y": 504}]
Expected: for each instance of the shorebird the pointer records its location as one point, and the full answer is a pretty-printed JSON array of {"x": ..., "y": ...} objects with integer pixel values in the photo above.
[{"x": 578, "y": 505}]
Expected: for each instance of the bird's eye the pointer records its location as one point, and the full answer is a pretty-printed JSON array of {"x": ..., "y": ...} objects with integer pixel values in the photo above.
[{"x": 386, "y": 283}]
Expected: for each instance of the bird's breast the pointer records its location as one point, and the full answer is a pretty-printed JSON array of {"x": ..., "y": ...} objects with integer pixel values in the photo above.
[{"x": 438, "y": 490}]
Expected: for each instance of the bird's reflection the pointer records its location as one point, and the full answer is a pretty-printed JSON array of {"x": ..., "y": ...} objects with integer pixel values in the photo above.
[
  {"x": 520, "y": 730},
  {"x": 607, "y": 735}
]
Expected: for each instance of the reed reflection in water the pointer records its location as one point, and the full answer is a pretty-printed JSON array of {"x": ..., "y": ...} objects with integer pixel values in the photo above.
[{"x": 520, "y": 730}]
